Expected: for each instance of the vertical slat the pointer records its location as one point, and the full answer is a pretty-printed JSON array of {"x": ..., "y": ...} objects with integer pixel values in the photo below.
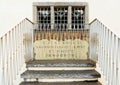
[
  {"x": 107, "y": 54},
  {"x": 99, "y": 41},
  {"x": 3, "y": 67},
  {"x": 5, "y": 62},
  {"x": 9, "y": 56},
  {"x": 22, "y": 48},
  {"x": 1, "y": 52},
  {"x": 105, "y": 44},
  {"x": 18, "y": 48},
  {"x": 12, "y": 57},
  {"x": 118, "y": 63},
  {"x": 15, "y": 52},
  {"x": 1, "y": 60},
  {"x": 103, "y": 48},
  {"x": 110, "y": 78}
]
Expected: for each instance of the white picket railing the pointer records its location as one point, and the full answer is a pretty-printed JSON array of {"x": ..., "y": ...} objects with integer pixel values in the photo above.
[
  {"x": 105, "y": 50},
  {"x": 14, "y": 49}
]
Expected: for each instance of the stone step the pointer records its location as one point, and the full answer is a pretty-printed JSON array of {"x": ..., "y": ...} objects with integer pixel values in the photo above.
[
  {"x": 61, "y": 75},
  {"x": 61, "y": 63},
  {"x": 62, "y": 83}
]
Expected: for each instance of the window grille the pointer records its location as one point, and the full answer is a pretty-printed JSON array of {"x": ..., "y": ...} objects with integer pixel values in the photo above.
[
  {"x": 61, "y": 18},
  {"x": 78, "y": 17},
  {"x": 44, "y": 18}
]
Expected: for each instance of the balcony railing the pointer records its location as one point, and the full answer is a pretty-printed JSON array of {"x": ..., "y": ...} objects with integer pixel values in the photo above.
[
  {"x": 105, "y": 49},
  {"x": 15, "y": 50},
  {"x": 62, "y": 26}
]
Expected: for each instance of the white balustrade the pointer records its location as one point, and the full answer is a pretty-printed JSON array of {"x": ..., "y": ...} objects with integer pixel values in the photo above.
[
  {"x": 106, "y": 52},
  {"x": 13, "y": 47}
]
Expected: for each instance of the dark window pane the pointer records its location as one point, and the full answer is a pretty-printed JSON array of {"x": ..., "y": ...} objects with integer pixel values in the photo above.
[
  {"x": 44, "y": 17},
  {"x": 77, "y": 17}
]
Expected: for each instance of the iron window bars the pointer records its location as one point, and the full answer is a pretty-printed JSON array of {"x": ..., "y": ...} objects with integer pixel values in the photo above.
[
  {"x": 44, "y": 18},
  {"x": 78, "y": 18},
  {"x": 60, "y": 18}
]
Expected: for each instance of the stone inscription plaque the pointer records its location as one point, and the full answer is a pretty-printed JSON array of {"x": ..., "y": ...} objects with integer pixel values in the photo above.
[
  {"x": 53, "y": 49},
  {"x": 61, "y": 45}
]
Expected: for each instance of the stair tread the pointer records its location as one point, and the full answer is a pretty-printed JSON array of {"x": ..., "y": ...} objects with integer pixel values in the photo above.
[
  {"x": 60, "y": 74},
  {"x": 61, "y": 63},
  {"x": 62, "y": 83}
]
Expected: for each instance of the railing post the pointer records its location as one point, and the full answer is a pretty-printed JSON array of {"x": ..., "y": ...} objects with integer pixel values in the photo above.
[
  {"x": 1, "y": 60},
  {"x": 13, "y": 54},
  {"x": 118, "y": 63},
  {"x": 3, "y": 65},
  {"x": 107, "y": 54},
  {"x": 12, "y": 64},
  {"x": 5, "y": 62},
  {"x": 9, "y": 58}
]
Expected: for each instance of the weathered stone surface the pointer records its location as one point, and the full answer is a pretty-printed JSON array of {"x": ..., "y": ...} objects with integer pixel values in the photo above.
[
  {"x": 61, "y": 63},
  {"x": 61, "y": 83},
  {"x": 61, "y": 74}
]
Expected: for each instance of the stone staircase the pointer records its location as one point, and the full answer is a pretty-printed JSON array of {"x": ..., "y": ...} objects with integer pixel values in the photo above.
[{"x": 60, "y": 72}]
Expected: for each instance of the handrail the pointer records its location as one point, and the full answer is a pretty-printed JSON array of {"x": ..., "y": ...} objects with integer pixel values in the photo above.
[
  {"x": 105, "y": 50},
  {"x": 13, "y": 47}
]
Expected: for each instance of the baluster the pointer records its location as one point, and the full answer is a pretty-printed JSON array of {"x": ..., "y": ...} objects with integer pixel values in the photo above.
[
  {"x": 100, "y": 33},
  {"x": 0, "y": 53},
  {"x": 118, "y": 60},
  {"x": 104, "y": 50},
  {"x": 1, "y": 61},
  {"x": 111, "y": 62},
  {"x": 100, "y": 42},
  {"x": 14, "y": 54},
  {"x": 5, "y": 64},
  {"x": 107, "y": 55},
  {"x": 9, "y": 59},
  {"x": 20, "y": 35},
  {"x": 23, "y": 46},
  {"x": 114, "y": 58},
  {"x": 3, "y": 67},
  {"x": 18, "y": 47},
  {"x": 17, "y": 66}
]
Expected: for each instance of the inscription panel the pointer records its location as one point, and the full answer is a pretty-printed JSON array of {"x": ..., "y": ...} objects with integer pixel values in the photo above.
[{"x": 63, "y": 48}]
